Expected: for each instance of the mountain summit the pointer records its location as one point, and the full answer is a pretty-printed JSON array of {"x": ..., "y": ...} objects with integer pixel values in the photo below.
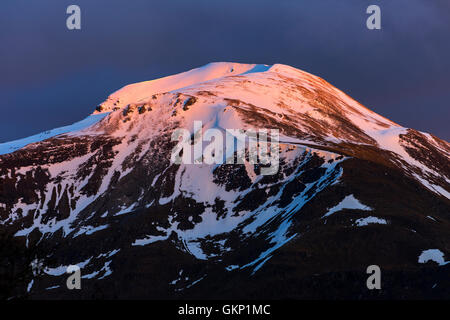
[{"x": 353, "y": 189}]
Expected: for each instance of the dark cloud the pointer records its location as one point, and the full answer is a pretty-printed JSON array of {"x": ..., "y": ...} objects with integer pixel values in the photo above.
[{"x": 52, "y": 76}]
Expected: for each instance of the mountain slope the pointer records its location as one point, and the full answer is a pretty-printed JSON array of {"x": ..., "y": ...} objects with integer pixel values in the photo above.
[{"x": 352, "y": 189}]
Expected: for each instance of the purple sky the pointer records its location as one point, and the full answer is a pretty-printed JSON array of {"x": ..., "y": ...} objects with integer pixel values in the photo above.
[{"x": 51, "y": 76}]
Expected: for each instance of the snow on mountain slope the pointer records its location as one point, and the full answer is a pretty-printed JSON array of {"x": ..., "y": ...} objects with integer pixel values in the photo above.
[
  {"x": 305, "y": 108},
  {"x": 142, "y": 91},
  {"x": 252, "y": 84},
  {"x": 109, "y": 178},
  {"x": 12, "y": 146}
]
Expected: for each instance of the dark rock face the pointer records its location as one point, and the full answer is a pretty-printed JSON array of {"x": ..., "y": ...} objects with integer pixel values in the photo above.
[{"x": 140, "y": 226}]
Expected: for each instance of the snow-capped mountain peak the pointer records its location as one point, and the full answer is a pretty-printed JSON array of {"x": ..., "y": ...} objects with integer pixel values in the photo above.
[
  {"x": 104, "y": 193},
  {"x": 142, "y": 91}
]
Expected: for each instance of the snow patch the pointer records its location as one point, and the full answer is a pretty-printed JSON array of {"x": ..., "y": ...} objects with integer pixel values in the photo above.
[
  {"x": 369, "y": 220},
  {"x": 232, "y": 267},
  {"x": 349, "y": 202},
  {"x": 435, "y": 255}
]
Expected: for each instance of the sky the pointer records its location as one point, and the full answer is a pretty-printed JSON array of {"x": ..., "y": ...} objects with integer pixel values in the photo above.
[{"x": 52, "y": 76}]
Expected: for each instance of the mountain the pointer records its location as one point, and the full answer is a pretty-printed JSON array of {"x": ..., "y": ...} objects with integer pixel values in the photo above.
[{"x": 352, "y": 189}]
